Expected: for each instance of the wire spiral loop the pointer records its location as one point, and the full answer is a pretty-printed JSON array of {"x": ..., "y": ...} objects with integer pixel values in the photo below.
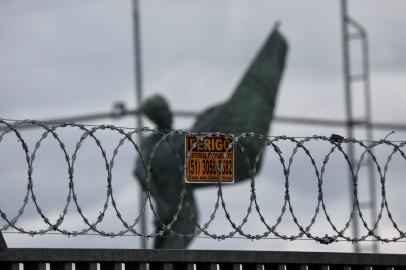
[{"x": 336, "y": 144}]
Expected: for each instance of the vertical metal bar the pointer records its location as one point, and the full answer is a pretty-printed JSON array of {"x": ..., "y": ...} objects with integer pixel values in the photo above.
[
  {"x": 67, "y": 266},
  {"x": 237, "y": 266},
  {"x": 304, "y": 267},
  {"x": 248, "y": 266},
  {"x": 137, "y": 57},
  {"x": 348, "y": 110},
  {"x": 281, "y": 266},
  {"x": 144, "y": 266},
  {"x": 369, "y": 131},
  {"x": 206, "y": 266},
  {"x": 61, "y": 266},
  {"x": 232, "y": 266},
  {"x": 138, "y": 94}
]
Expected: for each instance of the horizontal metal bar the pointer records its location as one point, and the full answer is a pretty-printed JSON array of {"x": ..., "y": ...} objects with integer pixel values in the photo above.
[
  {"x": 337, "y": 123},
  {"x": 115, "y": 114},
  {"x": 198, "y": 256},
  {"x": 309, "y": 121},
  {"x": 189, "y": 114}
]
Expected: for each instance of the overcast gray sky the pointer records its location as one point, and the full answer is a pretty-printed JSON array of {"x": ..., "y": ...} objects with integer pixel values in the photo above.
[{"x": 60, "y": 58}]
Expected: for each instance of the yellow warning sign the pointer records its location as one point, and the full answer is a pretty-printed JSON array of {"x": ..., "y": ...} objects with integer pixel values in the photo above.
[{"x": 209, "y": 159}]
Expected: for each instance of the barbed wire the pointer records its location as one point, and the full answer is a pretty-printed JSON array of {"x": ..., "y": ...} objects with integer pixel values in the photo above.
[{"x": 336, "y": 144}]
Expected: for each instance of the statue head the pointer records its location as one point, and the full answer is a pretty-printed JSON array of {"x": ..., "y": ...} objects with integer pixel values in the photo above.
[{"x": 157, "y": 109}]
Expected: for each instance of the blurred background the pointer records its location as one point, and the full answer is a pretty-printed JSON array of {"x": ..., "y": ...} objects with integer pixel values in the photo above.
[{"x": 70, "y": 58}]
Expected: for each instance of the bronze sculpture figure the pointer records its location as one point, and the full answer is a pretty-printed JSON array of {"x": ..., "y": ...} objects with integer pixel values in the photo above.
[{"x": 249, "y": 109}]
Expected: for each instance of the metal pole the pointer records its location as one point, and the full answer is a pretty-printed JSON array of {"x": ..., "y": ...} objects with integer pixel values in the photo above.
[
  {"x": 138, "y": 93},
  {"x": 348, "y": 109},
  {"x": 369, "y": 135}
]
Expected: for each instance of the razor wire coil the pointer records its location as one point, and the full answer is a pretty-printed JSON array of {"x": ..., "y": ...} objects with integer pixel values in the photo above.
[{"x": 127, "y": 135}]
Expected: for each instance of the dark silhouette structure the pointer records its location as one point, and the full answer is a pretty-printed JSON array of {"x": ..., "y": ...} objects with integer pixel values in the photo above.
[
  {"x": 249, "y": 109},
  {"x": 3, "y": 245}
]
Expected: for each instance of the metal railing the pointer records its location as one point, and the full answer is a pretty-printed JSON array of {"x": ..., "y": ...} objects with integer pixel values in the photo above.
[{"x": 120, "y": 259}]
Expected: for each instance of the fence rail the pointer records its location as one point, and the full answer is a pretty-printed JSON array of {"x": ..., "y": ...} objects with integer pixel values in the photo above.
[{"x": 119, "y": 259}]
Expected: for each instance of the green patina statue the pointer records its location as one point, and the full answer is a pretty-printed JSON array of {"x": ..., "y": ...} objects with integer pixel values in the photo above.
[{"x": 249, "y": 109}]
